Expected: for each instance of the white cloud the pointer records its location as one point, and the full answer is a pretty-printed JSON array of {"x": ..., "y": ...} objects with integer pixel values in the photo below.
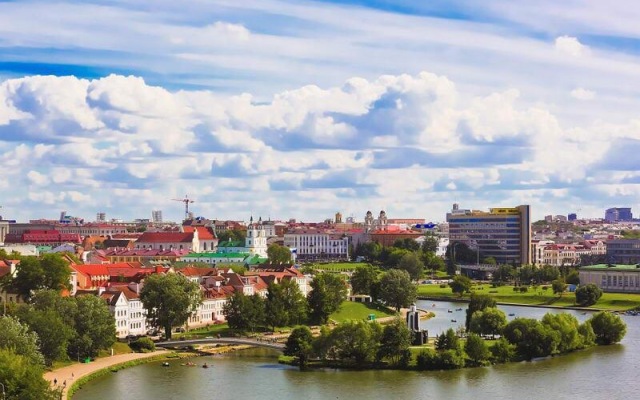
[
  {"x": 227, "y": 29},
  {"x": 571, "y": 46},
  {"x": 583, "y": 94}
]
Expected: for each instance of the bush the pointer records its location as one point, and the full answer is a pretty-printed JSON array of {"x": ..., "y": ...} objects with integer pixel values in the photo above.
[
  {"x": 443, "y": 285},
  {"x": 524, "y": 289},
  {"x": 588, "y": 295},
  {"x": 143, "y": 345},
  {"x": 515, "y": 288},
  {"x": 607, "y": 327},
  {"x": 427, "y": 359},
  {"x": 502, "y": 351}
]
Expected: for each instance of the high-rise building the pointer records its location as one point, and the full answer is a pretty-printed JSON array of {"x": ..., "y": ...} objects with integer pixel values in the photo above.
[
  {"x": 156, "y": 216},
  {"x": 501, "y": 233},
  {"x": 618, "y": 214},
  {"x": 101, "y": 217}
]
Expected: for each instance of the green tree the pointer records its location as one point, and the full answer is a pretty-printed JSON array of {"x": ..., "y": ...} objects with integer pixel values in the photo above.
[
  {"x": 573, "y": 277},
  {"x": 433, "y": 262},
  {"x": 588, "y": 295},
  {"x": 558, "y": 286},
  {"x": 407, "y": 244},
  {"x": 430, "y": 244},
  {"x": 364, "y": 279},
  {"x": 244, "y": 312},
  {"x": 275, "y": 307},
  {"x": 566, "y": 325},
  {"x": 54, "y": 334},
  {"x": 490, "y": 261},
  {"x": 234, "y": 235},
  {"x": 33, "y": 274},
  {"x": 328, "y": 291},
  {"x": 355, "y": 341},
  {"x": 491, "y": 321},
  {"x": 448, "y": 340},
  {"x": 300, "y": 345},
  {"x": 278, "y": 254},
  {"x": 94, "y": 324},
  {"x": 294, "y": 301},
  {"x": 395, "y": 341},
  {"x": 22, "y": 378},
  {"x": 531, "y": 338},
  {"x": 478, "y": 302},
  {"x": 371, "y": 251},
  {"x": 411, "y": 263},
  {"x": 502, "y": 351},
  {"x": 504, "y": 273},
  {"x": 548, "y": 273},
  {"x": 607, "y": 327},
  {"x": 169, "y": 300},
  {"x": 588, "y": 335},
  {"x": 477, "y": 350},
  {"x": 393, "y": 257},
  {"x": 396, "y": 289},
  {"x": 15, "y": 336},
  {"x": 460, "y": 284}
]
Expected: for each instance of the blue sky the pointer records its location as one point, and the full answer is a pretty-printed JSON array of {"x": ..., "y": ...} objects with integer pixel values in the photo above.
[{"x": 299, "y": 109}]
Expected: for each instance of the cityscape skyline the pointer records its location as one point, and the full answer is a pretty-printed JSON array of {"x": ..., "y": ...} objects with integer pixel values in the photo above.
[{"x": 301, "y": 109}]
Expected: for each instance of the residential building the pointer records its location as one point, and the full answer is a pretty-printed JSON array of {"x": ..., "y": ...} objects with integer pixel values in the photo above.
[
  {"x": 612, "y": 277},
  {"x": 43, "y": 237},
  {"x": 502, "y": 233},
  {"x": 127, "y": 309},
  {"x": 144, "y": 256},
  {"x": 277, "y": 273},
  {"x": 310, "y": 243},
  {"x": 4, "y": 229},
  {"x": 387, "y": 235}
]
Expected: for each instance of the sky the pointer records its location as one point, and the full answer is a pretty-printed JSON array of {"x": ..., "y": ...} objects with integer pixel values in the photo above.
[{"x": 300, "y": 109}]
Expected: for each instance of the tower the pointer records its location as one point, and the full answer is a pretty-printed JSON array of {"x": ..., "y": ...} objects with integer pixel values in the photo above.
[
  {"x": 338, "y": 218},
  {"x": 256, "y": 241},
  {"x": 368, "y": 221}
]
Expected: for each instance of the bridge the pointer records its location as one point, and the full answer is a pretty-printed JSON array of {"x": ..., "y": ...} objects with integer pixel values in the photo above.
[{"x": 225, "y": 340}]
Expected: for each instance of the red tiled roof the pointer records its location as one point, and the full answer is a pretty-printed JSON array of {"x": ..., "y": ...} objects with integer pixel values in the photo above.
[
  {"x": 166, "y": 237},
  {"x": 204, "y": 233}
]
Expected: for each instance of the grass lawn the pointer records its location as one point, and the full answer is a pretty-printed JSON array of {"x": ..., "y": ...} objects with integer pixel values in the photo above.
[
  {"x": 337, "y": 266},
  {"x": 351, "y": 310},
  {"x": 505, "y": 294},
  {"x": 199, "y": 333}
]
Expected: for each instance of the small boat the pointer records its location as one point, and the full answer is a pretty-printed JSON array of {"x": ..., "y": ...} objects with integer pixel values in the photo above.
[
  {"x": 512, "y": 315},
  {"x": 453, "y": 320},
  {"x": 205, "y": 365},
  {"x": 165, "y": 364},
  {"x": 433, "y": 305},
  {"x": 458, "y": 309},
  {"x": 449, "y": 311}
]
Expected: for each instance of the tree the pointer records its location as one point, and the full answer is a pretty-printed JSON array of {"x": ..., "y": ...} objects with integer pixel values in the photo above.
[
  {"x": 566, "y": 325},
  {"x": 244, "y": 312},
  {"x": 54, "y": 334},
  {"x": 393, "y": 257},
  {"x": 588, "y": 295},
  {"x": 502, "y": 351},
  {"x": 531, "y": 338},
  {"x": 490, "y": 261},
  {"x": 234, "y": 235},
  {"x": 278, "y": 254},
  {"x": 275, "y": 307},
  {"x": 363, "y": 279},
  {"x": 22, "y": 378},
  {"x": 490, "y": 321},
  {"x": 295, "y": 302},
  {"x": 407, "y": 244},
  {"x": 432, "y": 262},
  {"x": 396, "y": 289},
  {"x": 395, "y": 341},
  {"x": 448, "y": 340},
  {"x": 355, "y": 341},
  {"x": 548, "y": 273},
  {"x": 371, "y": 251},
  {"x": 33, "y": 274},
  {"x": 558, "y": 286},
  {"x": 504, "y": 273},
  {"x": 573, "y": 277},
  {"x": 477, "y": 350},
  {"x": 15, "y": 336},
  {"x": 460, "y": 284},
  {"x": 478, "y": 302},
  {"x": 169, "y": 300},
  {"x": 430, "y": 244},
  {"x": 300, "y": 345},
  {"x": 607, "y": 327},
  {"x": 94, "y": 324},
  {"x": 411, "y": 263},
  {"x": 328, "y": 291}
]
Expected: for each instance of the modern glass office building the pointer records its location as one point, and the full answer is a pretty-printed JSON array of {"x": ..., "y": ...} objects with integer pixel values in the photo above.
[{"x": 501, "y": 233}]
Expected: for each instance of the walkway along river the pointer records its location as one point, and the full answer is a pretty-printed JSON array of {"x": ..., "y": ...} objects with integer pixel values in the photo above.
[{"x": 603, "y": 372}]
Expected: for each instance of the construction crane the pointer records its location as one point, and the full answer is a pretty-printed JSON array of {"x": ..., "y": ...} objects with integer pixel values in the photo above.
[{"x": 186, "y": 202}]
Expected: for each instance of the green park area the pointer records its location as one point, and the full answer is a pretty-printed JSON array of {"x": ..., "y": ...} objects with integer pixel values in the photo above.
[
  {"x": 360, "y": 311},
  {"x": 336, "y": 266},
  {"x": 535, "y": 295}
]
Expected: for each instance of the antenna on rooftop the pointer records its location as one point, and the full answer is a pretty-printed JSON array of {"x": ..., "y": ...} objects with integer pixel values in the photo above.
[{"x": 186, "y": 202}]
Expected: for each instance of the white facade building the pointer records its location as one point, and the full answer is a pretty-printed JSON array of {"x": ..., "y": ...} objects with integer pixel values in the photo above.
[{"x": 311, "y": 243}]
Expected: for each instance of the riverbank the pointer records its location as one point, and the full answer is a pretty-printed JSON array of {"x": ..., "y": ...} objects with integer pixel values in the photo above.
[
  {"x": 533, "y": 297},
  {"x": 71, "y": 377}
]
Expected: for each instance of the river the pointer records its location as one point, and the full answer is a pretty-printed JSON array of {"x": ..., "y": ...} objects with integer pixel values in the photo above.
[{"x": 609, "y": 372}]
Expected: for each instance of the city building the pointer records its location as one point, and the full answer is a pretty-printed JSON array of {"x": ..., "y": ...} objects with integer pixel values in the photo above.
[
  {"x": 612, "y": 277},
  {"x": 311, "y": 243},
  {"x": 623, "y": 251},
  {"x": 43, "y": 238},
  {"x": 616, "y": 214},
  {"x": 156, "y": 216},
  {"x": 4, "y": 229},
  {"x": 502, "y": 233}
]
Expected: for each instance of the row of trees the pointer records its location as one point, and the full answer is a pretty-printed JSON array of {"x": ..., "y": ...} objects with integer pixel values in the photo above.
[
  {"x": 405, "y": 254},
  {"x": 285, "y": 305},
  {"x": 393, "y": 287},
  {"x": 352, "y": 343}
]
